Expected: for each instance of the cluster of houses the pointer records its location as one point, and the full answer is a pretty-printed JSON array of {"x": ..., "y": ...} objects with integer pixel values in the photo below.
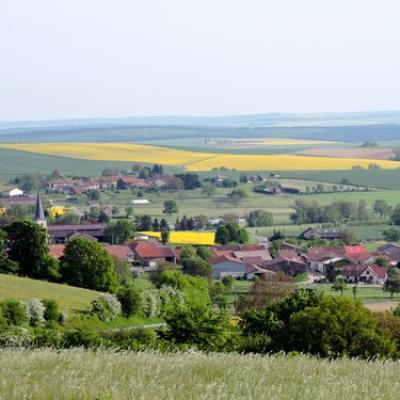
[{"x": 246, "y": 261}]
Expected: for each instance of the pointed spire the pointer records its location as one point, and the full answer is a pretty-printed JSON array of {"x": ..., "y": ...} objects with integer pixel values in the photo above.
[{"x": 39, "y": 213}]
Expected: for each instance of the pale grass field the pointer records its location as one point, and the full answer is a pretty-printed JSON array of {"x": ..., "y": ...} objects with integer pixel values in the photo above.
[
  {"x": 194, "y": 161},
  {"x": 85, "y": 375}
]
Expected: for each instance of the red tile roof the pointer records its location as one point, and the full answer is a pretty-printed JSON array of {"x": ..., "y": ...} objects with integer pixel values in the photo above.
[
  {"x": 221, "y": 259},
  {"x": 119, "y": 251},
  {"x": 146, "y": 249},
  {"x": 56, "y": 250}
]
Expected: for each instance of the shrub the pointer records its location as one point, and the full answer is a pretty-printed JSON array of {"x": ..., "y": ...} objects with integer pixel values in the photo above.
[
  {"x": 130, "y": 300},
  {"x": 15, "y": 337},
  {"x": 14, "y": 313},
  {"x": 82, "y": 337},
  {"x": 132, "y": 339},
  {"x": 51, "y": 312},
  {"x": 35, "y": 312},
  {"x": 46, "y": 337},
  {"x": 106, "y": 307}
]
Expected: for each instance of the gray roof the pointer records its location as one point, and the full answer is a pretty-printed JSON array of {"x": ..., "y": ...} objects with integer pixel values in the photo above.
[{"x": 39, "y": 213}]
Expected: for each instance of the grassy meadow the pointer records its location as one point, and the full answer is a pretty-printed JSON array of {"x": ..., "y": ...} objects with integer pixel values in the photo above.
[
  {"x": 87, "y": 375},
  {"x": 71, "y": 299}
]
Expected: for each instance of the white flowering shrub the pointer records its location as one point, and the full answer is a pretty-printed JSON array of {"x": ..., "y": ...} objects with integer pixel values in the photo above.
[
  {"x": 15, "y": 337},
  {"x": 35, "y": 312},
  {"x": 151, "y": 303},
  {"x": 106, "y": 307}
]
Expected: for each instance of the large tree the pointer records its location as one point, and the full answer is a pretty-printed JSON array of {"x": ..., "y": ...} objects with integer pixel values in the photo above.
[
  {"x": 119, "y": 232},
  {"x": 27, "y": 245},
  {"x": 87, "y": 264},
  {"x": 170, "y": 207}
]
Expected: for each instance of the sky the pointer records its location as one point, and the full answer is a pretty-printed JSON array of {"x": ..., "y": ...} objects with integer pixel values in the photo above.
[{"x": 116, "y": 58}]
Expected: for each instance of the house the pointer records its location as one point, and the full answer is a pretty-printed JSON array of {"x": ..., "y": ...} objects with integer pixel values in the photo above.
[
  {"x": 371, "y": 274},
  {"x": 120, "y": 252},
  {"x": 391, "y": 252},
  {"x": 151, "y": 253},
  {"x": 319, "y": 257},
  {"x": 287, "y": 261},
  {"x": 253, "y": 271},
  {"x": 323, "y": 233},
  {"x": 244, "y": 252},
  {"x": 225, "y": 265},
  {"x": 290, "y": 266},
  {"x": 13, "y": 192},
  {"x": 62, "y": 233},
  {"x": 125, "y": 182}
]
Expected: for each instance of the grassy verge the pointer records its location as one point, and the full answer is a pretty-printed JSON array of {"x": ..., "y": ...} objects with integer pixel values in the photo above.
[{"x": 86, "y": 375}]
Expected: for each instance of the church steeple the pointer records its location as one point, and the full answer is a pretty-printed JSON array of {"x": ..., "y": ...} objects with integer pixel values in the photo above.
[{"x": 39, "y": 213}]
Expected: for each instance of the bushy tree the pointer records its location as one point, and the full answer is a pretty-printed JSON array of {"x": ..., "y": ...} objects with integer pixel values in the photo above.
[
  {"x": 208, "y": 189},
  {"x": 51, "y": 311},
  {"x": 119, "y": 232},
  {"x": 395, "y": 217},
  {"x": 195, "y": 289},
  {"x": 14, "y": 312},
  {"x": 196, "y": 266},
  {"x": 130, "y": 300},
  {"x": 338, "y": 326},
  {"x": 170, "y": 207},
  {"x": 198, "y": 326},
  {"x": 87, "y": 264},
  {"x": 7, "y": 266},
  {"x": 204, "y": 252},
  {"x": 231, "y": 232},
  {"x": 259, "y": 218},
  {"x": 27, "y": 246}
]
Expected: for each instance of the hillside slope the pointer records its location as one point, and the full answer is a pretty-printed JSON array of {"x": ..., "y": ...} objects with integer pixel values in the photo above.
[{"x": 70, "y": 299}]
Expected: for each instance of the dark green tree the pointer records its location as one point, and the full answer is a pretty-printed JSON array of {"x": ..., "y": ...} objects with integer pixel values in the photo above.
[
  {"x": 196, "y": 266},
  {"x": 27, "y": 246},
  {"x": 119, "y": 232},
  {"x": 170, "y": 207},
  {"x": 87, "y": 264}
]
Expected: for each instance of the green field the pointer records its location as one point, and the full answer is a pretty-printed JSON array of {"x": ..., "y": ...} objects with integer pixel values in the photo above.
[
  {"x": 368, "y": 295},
  {"x": 88, "y": 375},
  {"x": 71, "y": 299}
]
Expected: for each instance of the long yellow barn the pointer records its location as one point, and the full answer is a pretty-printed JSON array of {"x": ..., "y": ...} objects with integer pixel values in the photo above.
[{"x": 195, "y": 161}]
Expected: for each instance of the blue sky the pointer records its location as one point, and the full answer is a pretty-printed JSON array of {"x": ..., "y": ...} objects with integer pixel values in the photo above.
[{"x": 97, "y": 58}]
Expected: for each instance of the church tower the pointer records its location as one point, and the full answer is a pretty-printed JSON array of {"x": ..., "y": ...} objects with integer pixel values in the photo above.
[{"x": 39, "y": 213}]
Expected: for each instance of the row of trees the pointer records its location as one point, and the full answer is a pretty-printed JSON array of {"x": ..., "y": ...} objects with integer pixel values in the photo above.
[{"x": 307, "y": 212}]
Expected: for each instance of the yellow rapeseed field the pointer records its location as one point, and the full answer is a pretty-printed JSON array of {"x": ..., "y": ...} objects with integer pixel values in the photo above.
[
  {"x": 195, "y": 161},
  {"x": 186, "y": 237}
]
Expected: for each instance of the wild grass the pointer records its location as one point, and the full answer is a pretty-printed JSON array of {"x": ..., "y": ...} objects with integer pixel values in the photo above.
[{"x": 86, "y": 375}]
